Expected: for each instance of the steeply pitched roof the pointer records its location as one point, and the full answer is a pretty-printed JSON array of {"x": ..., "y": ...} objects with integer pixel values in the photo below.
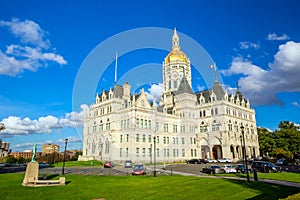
[
  {"x": 218, "y": 91},
  {"x": 184, "y": 87}
]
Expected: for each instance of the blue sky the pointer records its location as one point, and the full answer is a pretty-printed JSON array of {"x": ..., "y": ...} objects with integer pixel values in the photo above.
[{"x": 45, "y": 45}]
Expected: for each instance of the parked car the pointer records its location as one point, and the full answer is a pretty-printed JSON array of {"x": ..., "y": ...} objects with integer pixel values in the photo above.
[
  {"x": 224, "y": 160},
  {"x": 127, "y": 164},
  {"x": 138, "y": 169},
  {"x": 263, "y": 166},
  {"x": 229, "y": 169},
  {"x": 240, "y": 168},
  {"x": 210, "y": 160},
  {"x": 43, "y": 165},
  {"x": 213, "y": 169},
  {"x": 281, "y": 161},
  {"x": 108, "y": 164},
  {"x": 195, "y": 161}
]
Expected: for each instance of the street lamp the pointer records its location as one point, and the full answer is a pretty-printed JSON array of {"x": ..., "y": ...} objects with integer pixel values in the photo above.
[
  {"x": 244, "y": 153},
  {"x": 154, "y": 156},
  {"x": 54, "y": 154},
  {"x": 63, "y": 169},
  {"x": 150, "y": 153}
]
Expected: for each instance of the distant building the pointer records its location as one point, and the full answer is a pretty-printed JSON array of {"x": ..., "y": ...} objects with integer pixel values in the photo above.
[
  {"x": 50, "y": 149},
  {"x": 184, "y": 125},
  {"x": 4, "y": 148},
  {"x": 25, "y": 154}
]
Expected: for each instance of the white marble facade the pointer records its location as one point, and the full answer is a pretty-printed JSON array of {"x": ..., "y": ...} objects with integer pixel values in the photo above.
[{"x": 122, "y": 126}]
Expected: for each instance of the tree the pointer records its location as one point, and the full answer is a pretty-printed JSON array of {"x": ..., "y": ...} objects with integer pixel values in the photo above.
[
  {"x": 288, "y": 138},
  {"x": 10, "y": 159},
  {"x": 266, "y": 140},
  {"x": 284, "y": 142}
]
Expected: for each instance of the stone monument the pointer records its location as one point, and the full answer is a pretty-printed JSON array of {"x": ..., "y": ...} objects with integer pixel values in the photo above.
[
  {"x": 32, "y": 169},
  {"x": 32, "y": 172}
]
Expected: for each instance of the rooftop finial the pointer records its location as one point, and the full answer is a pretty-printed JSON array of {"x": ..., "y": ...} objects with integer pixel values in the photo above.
[{"x": 175, "y": 41}]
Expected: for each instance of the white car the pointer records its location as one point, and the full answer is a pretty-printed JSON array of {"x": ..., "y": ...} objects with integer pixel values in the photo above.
[
  {"x": 224, "y": 160},
  {"x": 210, "y": 160},
  {"x": 229, "y": 169}
]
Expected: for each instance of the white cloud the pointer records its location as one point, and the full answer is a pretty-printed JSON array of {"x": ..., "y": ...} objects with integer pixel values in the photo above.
[
  {"x": 71, "y": 139},
  {"x": 262, "y": 86},
  {"x": 25, "y": 126},
  {"x": 28, "y": 31},
  {"x": 274, "y": 36},
  {"x": 201, "y": 87},
  {"x": 26, "y": 145},
  {"x": 155, "y": 91},
  {"x": 19, "y": 57},
  {"x": 295, "y": 103},
  {"x": 229, "y": 89},
  {"x": 247, "y": 45}
]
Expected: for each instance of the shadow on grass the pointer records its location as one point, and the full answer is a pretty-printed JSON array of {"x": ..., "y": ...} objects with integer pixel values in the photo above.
[
  {"x": 267, "y": 191},
  {"x": 52, "y": 176},
  {"x": 68, "y": 182}
]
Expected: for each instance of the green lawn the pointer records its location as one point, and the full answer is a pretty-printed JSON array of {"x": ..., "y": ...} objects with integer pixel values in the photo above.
[
  {"x": 142, "y": 187},
  {"x": 79, "y": 163},
  {"x": 283, "y": 176}
]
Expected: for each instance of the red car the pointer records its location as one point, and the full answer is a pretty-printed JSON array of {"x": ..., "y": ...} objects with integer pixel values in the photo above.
[
  {"x": 108, "y": 164},
  {"x": 138, "y": 169}
]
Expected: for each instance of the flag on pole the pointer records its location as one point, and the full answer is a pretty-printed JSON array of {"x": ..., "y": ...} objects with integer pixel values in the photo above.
[{"x": 213, "y": 66}]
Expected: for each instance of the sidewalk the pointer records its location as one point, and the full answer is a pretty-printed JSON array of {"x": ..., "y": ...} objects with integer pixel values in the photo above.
[{"x": 276, "y": 182}]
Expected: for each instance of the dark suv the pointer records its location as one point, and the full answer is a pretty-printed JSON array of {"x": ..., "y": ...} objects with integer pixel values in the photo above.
[
  {"x": 196, "y": 161},
  {"x": 263, "y": 166}
]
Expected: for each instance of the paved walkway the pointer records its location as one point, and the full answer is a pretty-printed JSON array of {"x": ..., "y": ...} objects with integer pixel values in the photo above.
[{"x": 285, "y": 183}]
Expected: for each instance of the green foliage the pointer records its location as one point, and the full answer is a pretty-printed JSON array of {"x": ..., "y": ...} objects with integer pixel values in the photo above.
[
  {"x": 284, "y": 142},
  {"x": 11, "y": 159},
  {"x": 75, "y": 157}
]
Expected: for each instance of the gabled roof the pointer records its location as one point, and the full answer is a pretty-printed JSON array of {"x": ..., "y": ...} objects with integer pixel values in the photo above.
[
  {"x": 184, "y": 87},
  {"x": 218, "y": 91}
]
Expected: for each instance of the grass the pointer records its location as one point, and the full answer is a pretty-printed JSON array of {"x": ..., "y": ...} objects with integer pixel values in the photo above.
[
  {"x": 283, "y": 176},
  {"x": 79, "y": 163},
  {"x": 142, "y": 187}
]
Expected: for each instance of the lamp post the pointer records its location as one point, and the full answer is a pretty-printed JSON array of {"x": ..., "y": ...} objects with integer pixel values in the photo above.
[
  {"x": 244, "y": 153},
  {"x": 154, "y": 156},
  {"x": 53, "y": 154},
  {"x": 242, "y": 150},
  {"x": 63, "y": 169},
  {"x": 150, "y": 153}
]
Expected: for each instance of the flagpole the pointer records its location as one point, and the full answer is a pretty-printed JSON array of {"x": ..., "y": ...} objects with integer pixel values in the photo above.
[
  {"x": 116, "y": 67},
  {"x": 216, "y": 74}
]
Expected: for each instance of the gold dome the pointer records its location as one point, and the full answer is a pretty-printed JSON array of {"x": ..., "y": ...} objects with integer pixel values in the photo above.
[{"x": 176, "y": 55}]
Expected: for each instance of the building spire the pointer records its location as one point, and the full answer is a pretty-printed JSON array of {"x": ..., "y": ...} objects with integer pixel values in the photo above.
[
  {"x": 175, "y": 41},
  {"x": 237, "y": 87},
  {"x": 238, "y": 91}
]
